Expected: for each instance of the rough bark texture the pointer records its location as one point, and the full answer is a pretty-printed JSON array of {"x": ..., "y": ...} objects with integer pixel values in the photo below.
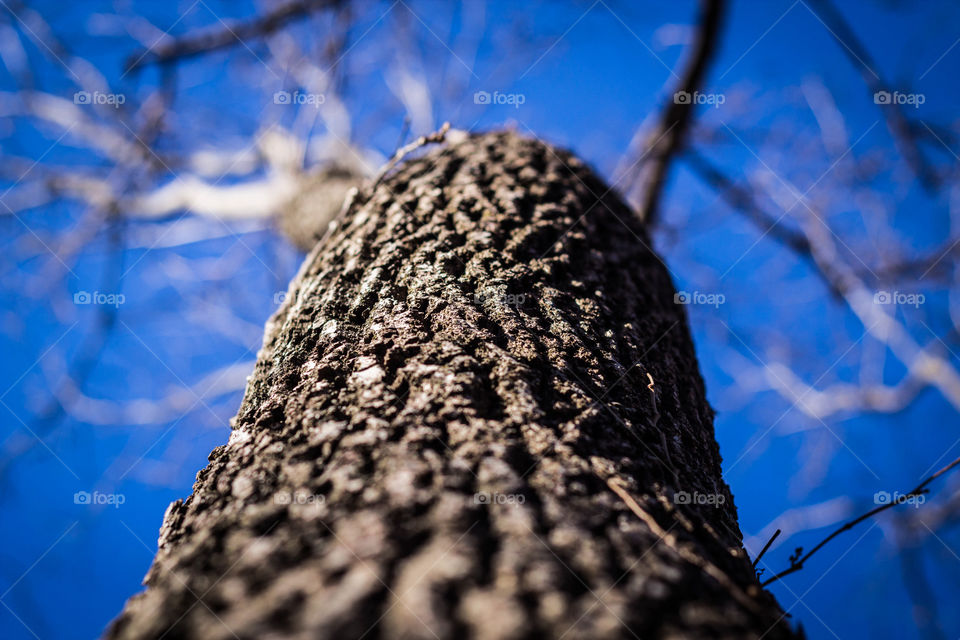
[{"x": 451, "y": 433}]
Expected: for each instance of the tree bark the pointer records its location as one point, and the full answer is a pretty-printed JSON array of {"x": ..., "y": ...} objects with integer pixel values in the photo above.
[{"x": 471, "y": 418}]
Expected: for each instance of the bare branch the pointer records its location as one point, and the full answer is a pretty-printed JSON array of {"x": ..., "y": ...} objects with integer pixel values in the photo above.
[
  {"x": 224, "y": 36},
  {"x": 668, "y": 137},
  {"x": 901, "y": 499},
  {"x": 901, "y": 128}
]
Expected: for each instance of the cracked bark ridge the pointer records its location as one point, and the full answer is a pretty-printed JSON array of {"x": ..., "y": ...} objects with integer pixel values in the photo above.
[{"x": 450, "y": 433}]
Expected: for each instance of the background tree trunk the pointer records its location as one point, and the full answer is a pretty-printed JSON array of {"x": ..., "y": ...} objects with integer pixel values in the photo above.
[{"x": 451, "y": 432}]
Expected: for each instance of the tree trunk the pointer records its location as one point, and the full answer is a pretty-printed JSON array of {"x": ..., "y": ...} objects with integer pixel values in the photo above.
[{"x": 478, "y": 414}]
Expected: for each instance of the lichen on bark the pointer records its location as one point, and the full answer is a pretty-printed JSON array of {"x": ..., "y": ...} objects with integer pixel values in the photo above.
[{"x": 451, "y": 431}]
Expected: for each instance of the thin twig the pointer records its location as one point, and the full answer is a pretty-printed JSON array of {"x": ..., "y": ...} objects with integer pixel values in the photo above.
[
  {"x": 402, "y": 152},
  {"x": 796, "y": 565},
  {"x": 776, "y": 534}
]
